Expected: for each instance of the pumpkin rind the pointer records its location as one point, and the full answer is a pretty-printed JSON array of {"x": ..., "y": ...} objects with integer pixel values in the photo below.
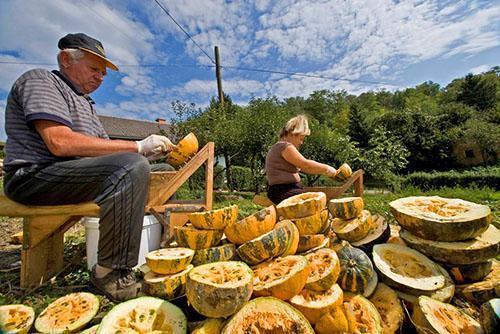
[
  {"x": 480, "y": 292},
  {"x": 324, "y": 269},
  {"x": 479, "y": 249},
  {"x": 267, "y": 315},
  {"x": 333, "y": 322},
  {"x": 346, "y": 207},
  {"x": 166, "y": 286},
  {"x": 169, "y": 260},
  {"x": 314, "y": 304},
  {"x": 91, "y": 330},
  {"x": 190, "y": 237},
  {"x": 293, "y": 236},
  {"x": 252, "y": 226},
  {"x": 16, "y": 318},
  {"x": 313, "y": 224},
  {"x": 68, "y": 313},
  {"x": 282, "y": 278},
  {"x": 389, "y": 307},
  {"x": 225, "y": 252},
  {"x": 216, "y": 219},
  {"x": 307, "y": 242},
  {"x": 144, "y": 315},
  {"x": 441, "y": 219},
  {"x": 209, "y": 326},
  {"x": 302, "y": 205},
  {"x": 362, "y": 316},
  {"x": 490, "y": 316},
  {"x": 186, "y": 148},
  {"x": 219, "y": 289},
  {"x": 406, "y": 269},
  {"x": 432, "y": 316},
  {"x": 468, "y": 273},
  {"x": 356, "y": 269},
  {"x": 378, "y": 234},
  {"x": 353, "y": 229}
]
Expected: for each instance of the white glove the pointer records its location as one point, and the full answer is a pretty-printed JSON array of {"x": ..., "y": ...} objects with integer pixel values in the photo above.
[
  {"x": 154, "y": 145},
  {"x": 331, "y": 172}
]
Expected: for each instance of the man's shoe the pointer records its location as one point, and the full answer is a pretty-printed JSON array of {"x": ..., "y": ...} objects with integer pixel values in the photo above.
[{"x": 118, "y": 285}]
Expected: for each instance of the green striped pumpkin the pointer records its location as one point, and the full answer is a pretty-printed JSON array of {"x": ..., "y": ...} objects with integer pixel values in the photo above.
[
  {"x": 346, "y": 207},
  {"x": 313, "y": 224},
  {"x": 356, "y": 269},
  {"x": 307, "y": 242},
  {"x": 214, "y": 254},
  {"x": 188, "y": 236}
]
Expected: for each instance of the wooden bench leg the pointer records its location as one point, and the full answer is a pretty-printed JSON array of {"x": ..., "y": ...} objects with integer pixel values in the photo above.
[{"x": 358, "y": 186}]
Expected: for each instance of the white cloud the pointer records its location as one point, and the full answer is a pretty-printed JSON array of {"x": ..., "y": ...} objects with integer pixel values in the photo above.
[{"x": 480, "y": 69}]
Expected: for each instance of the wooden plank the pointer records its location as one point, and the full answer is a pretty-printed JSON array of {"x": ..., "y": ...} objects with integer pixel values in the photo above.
[
  {"x": 36, "y": 229},
  {"x": 157, "y": 181},
  {"x": 334, "y": 192},
  {"x": 209, "y": 177},
  {"x": 358, "y": 186}
]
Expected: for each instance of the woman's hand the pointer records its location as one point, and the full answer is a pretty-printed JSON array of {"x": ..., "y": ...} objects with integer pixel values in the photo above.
[{"x": 331, "y": 172}]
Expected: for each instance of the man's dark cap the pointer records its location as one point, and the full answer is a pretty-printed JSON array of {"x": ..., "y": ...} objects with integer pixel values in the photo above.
[{"x": 86, "y": 43}]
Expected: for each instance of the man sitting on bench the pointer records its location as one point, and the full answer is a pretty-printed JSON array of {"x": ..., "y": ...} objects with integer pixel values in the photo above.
[{"x": 57, "y": 153}]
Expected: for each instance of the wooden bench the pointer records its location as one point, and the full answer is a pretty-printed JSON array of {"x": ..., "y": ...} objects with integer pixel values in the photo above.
[
  {"x": 44, "y": 226},
  {"x": 355, "y": 181}
]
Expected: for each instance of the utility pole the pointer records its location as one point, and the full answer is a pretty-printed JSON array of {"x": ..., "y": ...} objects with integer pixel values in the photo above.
[{"x": 219, "y": 79}]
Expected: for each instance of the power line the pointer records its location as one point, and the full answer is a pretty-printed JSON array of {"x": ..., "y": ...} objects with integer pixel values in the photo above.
[{"x": 180, "y": 27}]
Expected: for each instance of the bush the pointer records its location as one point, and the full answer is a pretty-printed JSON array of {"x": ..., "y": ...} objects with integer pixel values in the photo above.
[
  {"x": 243, "y": 179},
  {"x": 476, "y": 177}
]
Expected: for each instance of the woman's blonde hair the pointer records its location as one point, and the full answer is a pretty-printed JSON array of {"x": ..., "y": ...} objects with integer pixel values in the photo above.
[{"x": 297, "y": 125}]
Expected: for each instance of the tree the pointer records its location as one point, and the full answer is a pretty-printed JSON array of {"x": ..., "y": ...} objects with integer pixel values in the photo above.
[
  {"x": 479, "y": 91},
  {"x": 487, "y": 137},
  {"x": 357, "y": 127}
]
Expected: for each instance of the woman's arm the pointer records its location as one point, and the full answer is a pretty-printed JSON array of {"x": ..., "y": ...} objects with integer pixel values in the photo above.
[{"x": 293, "y": 156}]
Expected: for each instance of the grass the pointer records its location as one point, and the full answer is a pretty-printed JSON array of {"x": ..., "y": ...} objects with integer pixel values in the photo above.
[{"x": 76, "y": 276}]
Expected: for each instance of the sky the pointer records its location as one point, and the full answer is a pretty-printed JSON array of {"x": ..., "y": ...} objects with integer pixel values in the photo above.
[{"x": 356, "y": 45}]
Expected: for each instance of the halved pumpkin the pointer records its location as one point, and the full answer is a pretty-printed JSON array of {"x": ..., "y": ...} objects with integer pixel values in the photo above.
[
  {"x": 467, "y": 273},
  {"x": 480, "y": 292},
  {"x": 353, "y": 229},
  {"x": 216, "y": 219},
  {"x": 16, "y": 318},
  {"x": 169, "y": 260},
  {"x": 432, "y": 316},
  {"x": 307, "y": 242},
  {"x": 282, "y": 278},
  {"x": 188, "y": 236},
  {"x": 252, "y": 226},
  {"x": 166, "y": 286},
  {"x": 490, "y": 316},
  {"x": 378, "y": 234},
  {"x": 479, "y": 249},
  {"x": 324, "y": 267},
  {"x": 219, "y": 289},
  {"x": 343, "y": 172},
  {"x": 144, "y": 315},
  {"x": 68, "y": 313},
  {"x": 314, "y": 304},
  {"x": 406, "y": 269},
  {"x": 313, "y": 224},
  {"x": 346, "y": 207},
  {"x": 293, "y": 235},
  {"x": 91, "y": 330},
  {"x": 225, "y": 252},
  {"x": 209, "y": 326},
  {"x": 389, "y": 307},
  {"x": 302, "y": 205},
  {"x": 267, "y": 315},
  {"x": 362, "y": 316},
  {"x": 186, "y": 148},
  {"x": 441, "y": 219},
  {"x": 333, "y": 322}
]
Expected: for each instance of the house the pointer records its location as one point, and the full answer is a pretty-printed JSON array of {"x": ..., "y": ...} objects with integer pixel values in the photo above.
[
  {"x": 469, "y": 153},
  {"x": 132, "y": 129}
]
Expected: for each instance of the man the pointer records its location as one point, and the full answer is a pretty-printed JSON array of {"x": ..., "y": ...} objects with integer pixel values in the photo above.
[{"x": 57, "y": 152}]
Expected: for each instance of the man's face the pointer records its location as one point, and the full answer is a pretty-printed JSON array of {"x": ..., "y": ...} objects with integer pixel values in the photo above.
[{"x": 86, "y": 73}]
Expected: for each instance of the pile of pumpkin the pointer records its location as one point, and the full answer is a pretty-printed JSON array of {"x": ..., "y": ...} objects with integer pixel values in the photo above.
[{"x": 308, "y": 266}]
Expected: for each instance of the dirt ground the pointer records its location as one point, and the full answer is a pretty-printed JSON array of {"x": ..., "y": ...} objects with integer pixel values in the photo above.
[{"x": 10, "y": 254}]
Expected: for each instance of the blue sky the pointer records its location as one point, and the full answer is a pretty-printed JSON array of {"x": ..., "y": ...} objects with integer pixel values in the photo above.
[{"x": 394, "y": 44}]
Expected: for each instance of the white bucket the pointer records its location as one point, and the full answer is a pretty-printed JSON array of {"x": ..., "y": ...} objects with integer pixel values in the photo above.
[{"x": 150, "y": 239}]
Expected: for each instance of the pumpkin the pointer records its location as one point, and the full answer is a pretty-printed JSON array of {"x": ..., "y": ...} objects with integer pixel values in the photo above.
[
  {"x": 314, "y": 304},
  {"x": 333, "y": 322},
  {"x": 346, "y": 207},
  {"x": 407, "y": 269},
  {"x": 216, "y": 219},
  {"x": 343, "y": 172},
  {"x": 353, "y": 229},
  {"x": 16, "y": 318},
  {"x": 186, "y": 148},
  {"x": 91, "y": 330},
  {"x": 282, "y": 278},
  {"x": 269, "y": 245},
  {"x": 188, "y": 236},
  {"x": 166, "y": 286},
  {"x": 69, "y": 313},
  {"x": 169, "y": 260},
  {"x": 293, "y": 235},
  {"x": 480, "y": 292},
  {"x": 371, "y": 286},
  {"x": 490, "y": 316},
  {"x": 313, "y": 224},
  {"x": 378, "y": 234},
  {"x": 362, "y": 316},
  {"x": 252, "y": 226},
  {"x": 441, "y": 219},
  {"x": 267, "y": 315},
  {"x": 389, "y": 307},
  {"x": 356, "y": 269},
  {"x": 144, "y": 315},
  {"x": 302, "y": 205},
  {"x": 307, "y": 242},
  {"x": 209, "y": 326},
  {"x": 468, "y": 273},
  {"x": 479, "y": 249},
  {"x": 324, "y": 267},
  {"x": 225, "y": 252},
  {"x": 395, "y": 238},
  {"x": 219, "y": 289},
  {"x": 432, "y": 316}
]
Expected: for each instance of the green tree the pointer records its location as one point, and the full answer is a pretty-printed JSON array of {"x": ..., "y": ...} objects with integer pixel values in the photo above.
[
  {"x": 487, "y": 137},
  {"x": 479, "y": 91}
]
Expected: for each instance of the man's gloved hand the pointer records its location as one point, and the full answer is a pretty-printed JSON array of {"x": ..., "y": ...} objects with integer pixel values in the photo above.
[
  {"x": 331, "y": 172},
  {"x": 154, "y": 145}
]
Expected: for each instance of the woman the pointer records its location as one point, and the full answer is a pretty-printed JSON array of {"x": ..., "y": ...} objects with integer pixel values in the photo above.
[{"x": 284, "y": 162}]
